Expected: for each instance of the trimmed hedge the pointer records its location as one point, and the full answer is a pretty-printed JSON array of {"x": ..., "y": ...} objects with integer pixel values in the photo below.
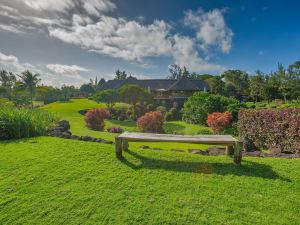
[{"x": 271, "y": 128}]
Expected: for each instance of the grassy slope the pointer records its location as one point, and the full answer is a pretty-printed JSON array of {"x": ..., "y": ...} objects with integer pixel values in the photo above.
[
  {"x": 69, "y": 111},
  {"x": 56, "y": 181}
]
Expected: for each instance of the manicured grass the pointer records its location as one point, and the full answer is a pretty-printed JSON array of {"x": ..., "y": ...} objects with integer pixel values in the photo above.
[
  {"x": 57, "y": 181},
  {"x": 69, "y": 111}
]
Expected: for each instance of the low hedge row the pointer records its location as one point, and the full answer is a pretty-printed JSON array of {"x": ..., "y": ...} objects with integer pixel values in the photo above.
[{"x": 271, "y": 128}]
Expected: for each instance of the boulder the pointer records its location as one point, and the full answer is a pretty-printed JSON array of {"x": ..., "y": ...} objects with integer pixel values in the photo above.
[
  {"x": 197, "y": 151},
  {"x": 86, "y": 138},
  {"x": 249, "y": 145},
  {"x": 99, "y": 140},
  {"x": 64, "y": 124},
  {"x": 144, "y": 147},
  {"x": 66, "y": 135},
  {"x": 275, "y": 151},
  {"x": 253, "y": 154},
  {"x": 216, "y": 151}
]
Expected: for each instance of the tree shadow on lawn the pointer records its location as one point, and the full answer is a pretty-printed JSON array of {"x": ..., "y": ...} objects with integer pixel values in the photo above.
[
  {"x": 171, "y": 127},
  {"x": 247, "y": 168}
]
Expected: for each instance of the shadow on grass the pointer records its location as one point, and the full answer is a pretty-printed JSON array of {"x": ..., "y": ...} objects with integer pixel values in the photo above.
[{"x": 247, "y": 168}]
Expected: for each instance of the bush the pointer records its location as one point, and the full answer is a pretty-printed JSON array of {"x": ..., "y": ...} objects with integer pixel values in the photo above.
[
  {"x": 271, "y": 128},
  {"x": 119, "y": 112},
  {"x": 115, "y": 130},
  {"x": 173, "y": 114},
  {"x": 23, "y": 123},
  {"x": 109, "y": 97},
  {"x": 136, "y": 111},
  {"x": 218, "y": 121},
  {"x": 151, "y": 122},
  {"x": 200, "y": 104},
  {"x": 161, "y": 109},
  {"x": 94, "y": 118}
]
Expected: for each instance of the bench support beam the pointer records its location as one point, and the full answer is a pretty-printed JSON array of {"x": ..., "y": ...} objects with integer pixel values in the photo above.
[
  {"x": 238, "y": 148},
  {"x": 118, "y": 147}
]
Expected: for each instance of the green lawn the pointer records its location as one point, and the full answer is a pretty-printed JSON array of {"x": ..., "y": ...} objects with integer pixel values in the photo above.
[
  {"x": 69, "y": 111},
  {"x": 57, "y": 181}
]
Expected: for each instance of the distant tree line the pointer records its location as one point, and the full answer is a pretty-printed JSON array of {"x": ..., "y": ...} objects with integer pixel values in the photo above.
[{"x": 283, "y": 84}]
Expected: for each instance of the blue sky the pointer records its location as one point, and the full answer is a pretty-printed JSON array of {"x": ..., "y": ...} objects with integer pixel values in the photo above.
[{"x": 69, "y": 41}]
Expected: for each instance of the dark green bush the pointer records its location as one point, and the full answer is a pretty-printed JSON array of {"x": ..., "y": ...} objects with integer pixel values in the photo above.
[
  {"x": 119, "y": 112},
  {"x": 173, "y": 114},
  {"x": 22, "y": 123},
  {"x": 200, "y": 104}
]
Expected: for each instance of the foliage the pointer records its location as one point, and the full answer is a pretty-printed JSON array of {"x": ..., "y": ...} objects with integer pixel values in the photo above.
[
  {"x": 162, "y": 109},
  {"x": 218, "y": 121},
  {"x": 176, "y": 72},
  {"x": 94, "y": 118},
  {"x": 200, "y": 104},
  {"x": 109, "y": 97},
  {"x": 29, "y": 81},
  {"x": 151, "y": 122},
  {"x": 132, "y": 94},
  {"x": 271, "y": 128},
  {"x": 67, "y": 92},
  {"x": 136, "y": 111},
  {"x": 173, "y": 114},
  {"x": 22, "y": 123},
  {"x": 120, "y": 75},
  {"x": 115, "y": 130},
  {"x": 119, "y": 112}
]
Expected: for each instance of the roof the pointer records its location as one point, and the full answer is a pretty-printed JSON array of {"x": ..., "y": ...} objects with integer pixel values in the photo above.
[{"x": 182, "y": 84}]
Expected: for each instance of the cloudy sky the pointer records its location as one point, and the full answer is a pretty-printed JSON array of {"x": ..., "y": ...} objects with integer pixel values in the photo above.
[{"x": 69, "y": 41}]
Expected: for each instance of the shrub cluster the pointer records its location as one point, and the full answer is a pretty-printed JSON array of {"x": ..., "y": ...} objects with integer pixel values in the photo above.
[
  {"x": 94, "y": 118},
  {"x": 119, "y": 112},
  {"x": 173, "y": 114},
  {"x": 271, "y": 128},
  {"x": 200, "y": 104},
  {"x": 23, "y": 123},
  {"x": 218, "y": 121},
  {"x": 151, "y": 122}
]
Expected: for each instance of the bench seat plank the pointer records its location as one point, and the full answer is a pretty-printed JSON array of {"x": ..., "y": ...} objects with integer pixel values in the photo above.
[{"x": 199, "y": 139}]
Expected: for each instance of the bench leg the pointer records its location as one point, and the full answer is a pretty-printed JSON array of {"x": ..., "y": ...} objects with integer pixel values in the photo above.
[
  {"x": 125, "y": 145},
  {"x": 229, "y": 150},
  {"x": 118, "y": 147},
  {"x": 237, "y": 157}
]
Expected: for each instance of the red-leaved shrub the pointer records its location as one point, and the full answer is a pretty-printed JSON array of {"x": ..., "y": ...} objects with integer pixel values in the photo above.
[
  {"x": 218, "y": 121},
  {"x": 94, "y": 118},
  {"x": 151, "y": 122},
  {"x": 271, "y": 128}
]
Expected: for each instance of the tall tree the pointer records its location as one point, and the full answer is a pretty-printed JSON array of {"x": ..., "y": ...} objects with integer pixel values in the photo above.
[
  {"x": 29, "y": 81},
  {"x": 257, "y": 86},
  {"x": 8, "y": 81},
  {"x": 175, "y": 72},
  {"x": 120, "y": 75},
  {"x": 237, "y": 79}
]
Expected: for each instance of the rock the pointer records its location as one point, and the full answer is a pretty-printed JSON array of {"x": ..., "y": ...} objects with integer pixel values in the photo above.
[
  {"x": 99, "y": 140},
  {"x": 216, "y": 151},
  {"x": 55, "y": 133},
  {"x": 249, "y": 145},
  {"x": 106, "y": 142},
  {"x": 253, "y": 154},
  {"x": 177, "y": 150},
  {"x": 64, "y": 124},
  {"x": 288, "y": 156},
  {"x": 197, "y": 151},
  {"x": 86, "y": 138},
  {"x": 144, "y": 147},
  {"x": 275, "y": 151},
  {"x": 65, "y": 135}
]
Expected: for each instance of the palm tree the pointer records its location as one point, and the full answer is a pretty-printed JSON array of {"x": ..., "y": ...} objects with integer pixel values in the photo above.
[{"x": 29, "y": 81}]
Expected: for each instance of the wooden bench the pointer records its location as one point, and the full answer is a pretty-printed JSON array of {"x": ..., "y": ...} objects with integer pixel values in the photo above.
[{"x": 233, "y": 146}]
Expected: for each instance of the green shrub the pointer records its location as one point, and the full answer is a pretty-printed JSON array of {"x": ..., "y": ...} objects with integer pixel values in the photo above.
[
  {"x": 173, "y": 114},
  {"x": 23, "y": 123},
  {"x": 200, "y": 104},
  {"x": 119, "y": 112},
  {"x": 161, "y": 109}
]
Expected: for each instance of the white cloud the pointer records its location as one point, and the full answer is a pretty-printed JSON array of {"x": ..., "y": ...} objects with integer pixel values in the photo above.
[
  {"x": 53, "y": 5},
  {"x": 94, "y": 7},
  {"x": 211, "y": 28},
  {"x": 66, "y": 69},
  {"x": 10, "y": 28},
  {"x": 8, "y": 59}
]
